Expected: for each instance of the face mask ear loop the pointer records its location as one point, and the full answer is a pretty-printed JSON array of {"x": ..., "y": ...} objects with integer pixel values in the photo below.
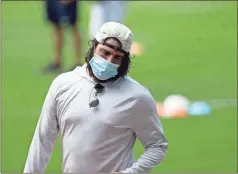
[{"x": 94, "y": 45}]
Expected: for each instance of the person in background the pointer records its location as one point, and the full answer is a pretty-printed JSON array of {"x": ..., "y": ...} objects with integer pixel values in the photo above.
[
  {"x": 105, "y": 11},
  {"x": 62, "y": 13}
]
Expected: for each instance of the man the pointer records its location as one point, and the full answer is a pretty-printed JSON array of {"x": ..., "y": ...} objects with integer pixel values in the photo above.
[
  {"x": 61, "y": 13},
  {"x": 100, "y": 112}
]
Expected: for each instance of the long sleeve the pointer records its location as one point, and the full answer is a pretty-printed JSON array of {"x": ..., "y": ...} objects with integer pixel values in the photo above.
[
  {"x": 44, "y": 137},
  {"x": 149, "y": 131}
]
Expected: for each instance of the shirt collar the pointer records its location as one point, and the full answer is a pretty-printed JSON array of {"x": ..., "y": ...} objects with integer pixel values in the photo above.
[{"x": 82, "y": 71}]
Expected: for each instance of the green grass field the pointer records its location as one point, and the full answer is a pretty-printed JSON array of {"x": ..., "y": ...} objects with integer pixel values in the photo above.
[{"x": 190, "y": 49}]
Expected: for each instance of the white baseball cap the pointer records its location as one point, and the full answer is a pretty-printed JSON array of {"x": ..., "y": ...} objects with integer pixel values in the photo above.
[{"x": 118, "y": 31}]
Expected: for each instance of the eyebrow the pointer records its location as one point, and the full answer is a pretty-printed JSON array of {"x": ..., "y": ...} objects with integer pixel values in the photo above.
[
  {"x": 111, "y": 46},
  {"x": 118, "y": 49},
  {"x": 115, "y": 48},
  {"x": 105, "y": 49}
]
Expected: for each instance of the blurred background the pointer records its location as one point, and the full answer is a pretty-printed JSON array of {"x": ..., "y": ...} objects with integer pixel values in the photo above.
[{"x": 189, "y": 50}]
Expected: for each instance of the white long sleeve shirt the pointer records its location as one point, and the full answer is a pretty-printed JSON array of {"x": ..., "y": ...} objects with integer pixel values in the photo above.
[{"x": 101, "y": 139}]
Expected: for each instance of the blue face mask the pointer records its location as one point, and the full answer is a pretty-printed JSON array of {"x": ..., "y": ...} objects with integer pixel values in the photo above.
[{"x": 102, "y": 68}]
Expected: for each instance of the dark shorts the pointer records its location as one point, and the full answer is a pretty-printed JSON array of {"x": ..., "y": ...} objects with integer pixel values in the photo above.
[{"x": 58, "y": 13}]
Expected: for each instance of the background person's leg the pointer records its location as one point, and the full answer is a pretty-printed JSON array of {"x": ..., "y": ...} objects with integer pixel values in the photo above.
[
  {"x": 53, "y": 18},
  {"x": 72, "y": 11},
  {"x": 97, "y": 18},
  {"x": 115, "y": 11},
  {"x": 58, "y": 44}
]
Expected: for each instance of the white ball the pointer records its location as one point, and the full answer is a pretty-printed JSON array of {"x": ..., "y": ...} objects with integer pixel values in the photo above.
[{"x": 175, "y": 106}]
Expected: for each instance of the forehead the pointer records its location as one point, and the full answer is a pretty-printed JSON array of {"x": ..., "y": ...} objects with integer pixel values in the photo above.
[{"x": 112, "y": 45}]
